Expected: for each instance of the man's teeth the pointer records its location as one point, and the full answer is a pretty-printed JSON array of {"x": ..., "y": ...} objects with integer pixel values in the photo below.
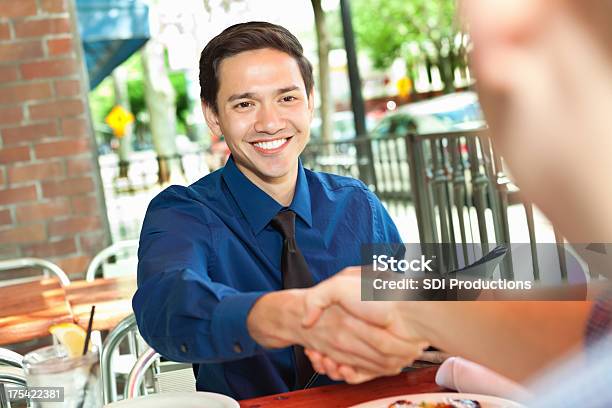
[{"x": 271, "y": 145}]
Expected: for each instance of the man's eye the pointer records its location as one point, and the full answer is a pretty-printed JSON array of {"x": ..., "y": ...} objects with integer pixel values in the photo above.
[
  {"x": 243, "y": 105},
  {"x": 289, "y": 98}
]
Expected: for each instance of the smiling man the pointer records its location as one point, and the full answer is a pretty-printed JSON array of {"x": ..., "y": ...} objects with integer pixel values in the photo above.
[{"x": 221, "y": 262}]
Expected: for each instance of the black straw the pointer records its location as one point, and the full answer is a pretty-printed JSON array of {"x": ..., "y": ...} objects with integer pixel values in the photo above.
[{"x": 89, "y": 325}]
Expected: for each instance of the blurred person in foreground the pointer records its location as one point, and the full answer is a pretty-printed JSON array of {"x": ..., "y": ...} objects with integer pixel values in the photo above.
[
  {"x": 214, "y": 256},
  {"x": 544, "y": 70}
]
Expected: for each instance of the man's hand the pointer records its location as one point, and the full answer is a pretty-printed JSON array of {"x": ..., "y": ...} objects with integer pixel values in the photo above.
[
  {"x": 344, "y": 290},
  {"x": 275, "y": 321},
  {"x": 350, "y": 341},
  {"x": 352, "y": 375}
]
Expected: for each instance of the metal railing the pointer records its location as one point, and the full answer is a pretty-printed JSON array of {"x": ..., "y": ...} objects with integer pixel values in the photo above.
[
  {"x": 455, "y": 181},
  {"x": 145, "y": 170}
]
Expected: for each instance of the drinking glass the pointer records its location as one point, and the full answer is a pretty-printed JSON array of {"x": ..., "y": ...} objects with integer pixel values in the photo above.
[{"x": 79, "y": 377}]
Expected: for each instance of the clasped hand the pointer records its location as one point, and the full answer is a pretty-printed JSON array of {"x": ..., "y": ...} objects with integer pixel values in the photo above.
[{"x": 351, "y": 340}]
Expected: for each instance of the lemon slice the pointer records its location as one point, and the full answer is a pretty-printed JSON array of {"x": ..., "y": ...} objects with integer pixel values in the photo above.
[{"x": 71, "y": 336}]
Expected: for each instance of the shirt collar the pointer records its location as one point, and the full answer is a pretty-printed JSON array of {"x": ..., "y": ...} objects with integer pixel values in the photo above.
[{"x": 257, "y": 206}]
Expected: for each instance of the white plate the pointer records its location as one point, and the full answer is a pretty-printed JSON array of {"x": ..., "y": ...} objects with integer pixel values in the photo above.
[
  {"x": 485, "y": 400},
  {"x": 178, "y": 399}
]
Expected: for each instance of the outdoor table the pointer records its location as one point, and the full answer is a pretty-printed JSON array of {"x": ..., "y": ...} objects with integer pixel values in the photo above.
[
  {"x": 416, "y": 381},
  {"x": 112, "y": 297},
  {"x": 27, "y": 310}
]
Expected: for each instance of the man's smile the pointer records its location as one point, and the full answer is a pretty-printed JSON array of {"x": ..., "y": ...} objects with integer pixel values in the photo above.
[{"x": 271, "y": 146}]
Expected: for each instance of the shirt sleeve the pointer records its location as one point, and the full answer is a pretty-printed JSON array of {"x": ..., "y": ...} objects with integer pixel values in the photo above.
[{"x": 180, "y": 311}]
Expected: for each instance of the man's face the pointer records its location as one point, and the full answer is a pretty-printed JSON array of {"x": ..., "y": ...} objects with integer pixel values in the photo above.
[{"x": 264, "y": 112}]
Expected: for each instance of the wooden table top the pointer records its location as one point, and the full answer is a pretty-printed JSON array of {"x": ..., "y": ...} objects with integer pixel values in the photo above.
[
  {"x": 112, "y": 297},
  {"x": 418, "y": 381},
  {"x": 27, "y": 310}
]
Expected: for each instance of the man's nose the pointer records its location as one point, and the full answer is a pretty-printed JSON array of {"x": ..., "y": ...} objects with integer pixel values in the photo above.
[{"x": 269, "y": 120}]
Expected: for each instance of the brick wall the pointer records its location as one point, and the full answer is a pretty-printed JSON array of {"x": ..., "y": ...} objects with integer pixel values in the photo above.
[{"x": 51, "y": 204}]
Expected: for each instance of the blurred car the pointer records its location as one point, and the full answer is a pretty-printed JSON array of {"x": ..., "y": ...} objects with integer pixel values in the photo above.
[{"x": 452, "y": 112}]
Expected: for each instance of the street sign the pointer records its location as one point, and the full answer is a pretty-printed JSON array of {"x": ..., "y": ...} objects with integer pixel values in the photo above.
[
  {"x": 118, "y": 119},
  {"x": 404, "y": 86}
]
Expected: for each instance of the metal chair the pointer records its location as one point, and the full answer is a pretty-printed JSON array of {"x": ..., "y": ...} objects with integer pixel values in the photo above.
[
  {"x": 11, "y": 368},
  {"x": 20, "y": 263},
  {"x": 106, "y": 253},
  {"x": 126, "y": 330},
  {"x": 136, "y": 376},
  {"x": 10, "y": 358},
  {"x": 12, "y": 375},
  {"x": 168, "y": 376}
]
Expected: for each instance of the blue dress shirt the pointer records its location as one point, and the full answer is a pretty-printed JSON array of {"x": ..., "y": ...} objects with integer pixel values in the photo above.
[{"x": 207, "y": 253}]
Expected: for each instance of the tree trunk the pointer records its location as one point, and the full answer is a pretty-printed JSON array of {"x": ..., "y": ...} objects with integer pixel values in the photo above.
[
  {"x": 445, "y": 67},
  {"x": 327, "y": 108},
  {"x": 122, "y": 99},
  {"x": 196, "y": 126},
  {"x": 159, "y": 97},
  {"x": 447, "y": 75}
]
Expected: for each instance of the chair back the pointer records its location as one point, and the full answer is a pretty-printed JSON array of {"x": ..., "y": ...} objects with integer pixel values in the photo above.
[
  {"x": 11, "y": 373},
  {"x": 168, "y": 376},
  {"x": 20, "y": 263},
  {"x": 111, "y": 251},
  {"x": 125, "y": 330},
  {"x": 144, "y": 362},
  {"x": 10, "y": 358}
]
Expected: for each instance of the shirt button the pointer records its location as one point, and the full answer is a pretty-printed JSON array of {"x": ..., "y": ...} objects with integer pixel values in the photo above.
[
  {"x": 237, "y": 348},
  {"x": 183, "y": 348}
]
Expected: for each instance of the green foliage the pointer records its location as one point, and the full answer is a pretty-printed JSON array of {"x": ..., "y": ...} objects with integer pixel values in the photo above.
[
  {"x": 386, "y": 28},
  {"x": 415, "y": 30},
  {"x": 380, "y": 27},
  {"x": 101, "y": 101}
]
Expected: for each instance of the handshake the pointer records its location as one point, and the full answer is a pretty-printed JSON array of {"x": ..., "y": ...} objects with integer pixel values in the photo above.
[{"x": 344, "y": 337}]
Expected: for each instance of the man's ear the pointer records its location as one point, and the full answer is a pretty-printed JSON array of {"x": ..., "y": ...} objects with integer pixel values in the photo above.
[{"x": 212, "y": 119}]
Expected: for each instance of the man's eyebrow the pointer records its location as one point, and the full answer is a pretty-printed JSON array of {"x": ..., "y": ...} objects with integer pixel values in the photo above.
[
  {"x": 287, "y": 89},
  {"x": 246, "y": 95}
]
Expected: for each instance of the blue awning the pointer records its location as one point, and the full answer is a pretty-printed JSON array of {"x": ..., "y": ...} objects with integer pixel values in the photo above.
[{"x": 111, "y": 31}]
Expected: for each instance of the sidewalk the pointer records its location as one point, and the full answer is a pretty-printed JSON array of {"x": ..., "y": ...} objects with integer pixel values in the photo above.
[{"x": 406, "y": 222}]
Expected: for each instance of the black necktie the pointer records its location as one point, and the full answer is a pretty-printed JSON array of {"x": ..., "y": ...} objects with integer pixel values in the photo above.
[{"x": 295, "y": 275}]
